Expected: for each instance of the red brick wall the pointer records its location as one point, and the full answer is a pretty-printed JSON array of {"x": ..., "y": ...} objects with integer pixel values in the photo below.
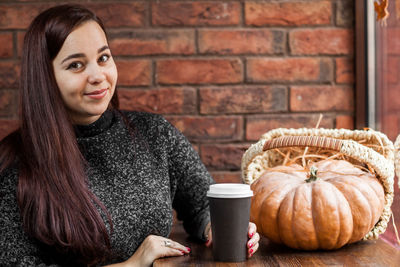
[
  {"x": 388, "y": 84},
  {"x": 223, "y": 72},
  {"x": 388, "y": 92}
]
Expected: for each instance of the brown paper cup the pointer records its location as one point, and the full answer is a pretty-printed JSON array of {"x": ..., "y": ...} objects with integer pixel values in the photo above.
[{"x": 230, "y": 213}]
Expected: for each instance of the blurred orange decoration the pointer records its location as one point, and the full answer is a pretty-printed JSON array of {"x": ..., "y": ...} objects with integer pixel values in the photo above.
[{"x": 381, "y": 10}]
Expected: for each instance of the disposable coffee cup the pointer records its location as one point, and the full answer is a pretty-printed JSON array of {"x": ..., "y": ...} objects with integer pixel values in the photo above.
[{"x": 230, "y": 214}]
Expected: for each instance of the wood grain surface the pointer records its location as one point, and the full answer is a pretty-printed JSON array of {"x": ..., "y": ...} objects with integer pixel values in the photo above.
[{"x": 364, "y": 253}]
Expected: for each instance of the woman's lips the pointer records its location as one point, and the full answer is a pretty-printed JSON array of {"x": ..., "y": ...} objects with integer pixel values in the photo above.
[{"x": 98, "y": 94}]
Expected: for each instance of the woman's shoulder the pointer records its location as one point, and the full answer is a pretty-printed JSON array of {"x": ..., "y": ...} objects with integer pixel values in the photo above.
[
  {"x": 145, "y": 120},
  {"x": 142, "y": 116},
  {"x": 8, "y": 183},
  {"x": 150, "y": 126},
  {"x": 9, "y": 175},
  {"x": 9, "y": 157}
]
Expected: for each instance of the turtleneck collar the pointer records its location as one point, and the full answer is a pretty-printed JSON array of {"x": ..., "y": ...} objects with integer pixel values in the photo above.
[{"x": 97, "y": 127}]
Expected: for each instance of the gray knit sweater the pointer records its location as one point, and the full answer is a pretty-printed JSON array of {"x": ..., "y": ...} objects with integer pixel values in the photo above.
[{"x": 139, "y": 174}]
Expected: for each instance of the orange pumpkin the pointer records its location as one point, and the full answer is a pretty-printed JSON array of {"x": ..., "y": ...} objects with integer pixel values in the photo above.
[{"x": 338, "y": 206}]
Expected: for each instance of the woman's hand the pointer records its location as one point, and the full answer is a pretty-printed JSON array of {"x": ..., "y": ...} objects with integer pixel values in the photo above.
[
  {"x": 252, "y": 243},
  {"x": 155, "y": 247}
]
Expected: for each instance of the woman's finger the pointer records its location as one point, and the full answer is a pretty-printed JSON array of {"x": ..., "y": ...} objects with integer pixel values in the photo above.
[
  {"x": 252, "y": 229},
  {"x": 154, "y": 247},
  {"x": 254, "y": 238},
  {"x": 209, "y": 237},
  {"x": 252, "y": 250},
  {"x": 168, "y": 243}
]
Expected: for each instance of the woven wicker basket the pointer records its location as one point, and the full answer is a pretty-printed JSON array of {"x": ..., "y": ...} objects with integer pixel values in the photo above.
[
  {"x": 370, "y": 149},
  {"x": 397, "y": 158}
]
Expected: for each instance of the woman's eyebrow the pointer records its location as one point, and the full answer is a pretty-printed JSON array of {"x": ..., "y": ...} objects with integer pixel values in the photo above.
[
  {"x": 102, "y": 49},
  {"x": 78, "y": 55}
]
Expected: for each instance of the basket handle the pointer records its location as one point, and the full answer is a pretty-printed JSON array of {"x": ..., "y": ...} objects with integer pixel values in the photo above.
[{"x": 304, "y": 141}]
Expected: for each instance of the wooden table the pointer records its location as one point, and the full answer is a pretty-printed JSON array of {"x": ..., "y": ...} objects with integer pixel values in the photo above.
[{"x": 364, "y": 253}]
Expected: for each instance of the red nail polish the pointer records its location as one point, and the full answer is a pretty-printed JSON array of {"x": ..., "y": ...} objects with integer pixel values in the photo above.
[
  {"x": 250, "y": 245},
  {"x": 188, "y": 249},
  {"x": 251, "y": 235},
  {"x": 251, "y": 251}
]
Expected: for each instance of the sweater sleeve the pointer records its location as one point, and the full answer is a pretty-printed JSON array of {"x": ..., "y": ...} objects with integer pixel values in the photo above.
[
  {"x": 16, "y": 248},
  {"x": 193, "y": 180}
]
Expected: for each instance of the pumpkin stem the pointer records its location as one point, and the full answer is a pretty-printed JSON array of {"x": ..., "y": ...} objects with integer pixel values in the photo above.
[{"x": 313, "y": 175}]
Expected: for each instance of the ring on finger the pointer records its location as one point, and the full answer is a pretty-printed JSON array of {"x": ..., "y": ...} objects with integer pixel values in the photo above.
[{"x": 167, "y": 243}]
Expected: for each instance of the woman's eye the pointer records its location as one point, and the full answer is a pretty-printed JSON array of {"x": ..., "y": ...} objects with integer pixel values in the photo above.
[
  {"x": 104, "y": 58},
  {"x": 75, "y": 66}
]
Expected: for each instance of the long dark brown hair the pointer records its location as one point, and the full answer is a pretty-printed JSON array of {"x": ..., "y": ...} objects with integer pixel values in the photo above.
[{"x": 56, "y": 206}]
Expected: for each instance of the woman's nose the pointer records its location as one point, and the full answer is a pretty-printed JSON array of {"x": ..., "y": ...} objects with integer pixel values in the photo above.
[{"x": 95, "y": 74}]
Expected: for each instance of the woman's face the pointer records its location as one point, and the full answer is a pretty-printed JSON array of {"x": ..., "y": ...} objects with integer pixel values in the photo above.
[{"x": 85, "y": 73}]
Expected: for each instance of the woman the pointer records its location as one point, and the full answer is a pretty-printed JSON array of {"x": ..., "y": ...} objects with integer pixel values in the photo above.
[{"x": 83, "y": 183}]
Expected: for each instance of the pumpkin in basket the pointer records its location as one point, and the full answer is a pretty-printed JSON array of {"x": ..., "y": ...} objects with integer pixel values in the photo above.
[{"x": 334, "y": 205}]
